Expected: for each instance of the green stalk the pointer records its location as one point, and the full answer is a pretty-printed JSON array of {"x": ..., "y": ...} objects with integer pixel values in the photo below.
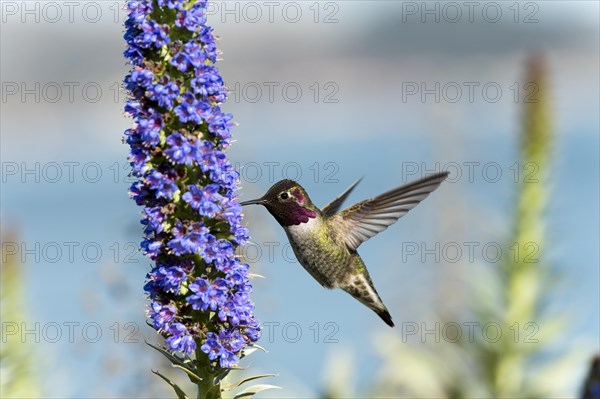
[
  {"x": 16, "y": 364},
  {"x": 525, "y": 271},
  {"x": 207, "y": 389}
]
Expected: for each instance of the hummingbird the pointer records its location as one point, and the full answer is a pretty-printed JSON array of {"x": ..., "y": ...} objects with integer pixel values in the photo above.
[{"x": 325, "y": 241}]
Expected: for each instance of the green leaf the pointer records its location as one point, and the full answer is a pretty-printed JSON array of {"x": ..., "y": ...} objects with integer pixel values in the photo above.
[
  {"x": 193, "y": 377},
  {"x": 176, "y": 196},
  {"x": 183, "y": 289},
  {"x": 220, "y": 377},
  {"x": 172, "y": 358},
  {"x": 178, "y": 391},
  {"x": 245, "y": 380},
  {"x": 251, "y": 349},
  {"x": 253, "y": 390}
]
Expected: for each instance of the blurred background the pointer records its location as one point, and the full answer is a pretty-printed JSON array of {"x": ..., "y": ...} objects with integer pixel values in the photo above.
[{"x": 493, "y": 281}]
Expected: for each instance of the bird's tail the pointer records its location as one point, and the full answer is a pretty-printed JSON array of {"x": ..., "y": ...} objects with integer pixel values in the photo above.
[
  {"x": 385, "y": 316},
  {"x": 361, "y": 287}
]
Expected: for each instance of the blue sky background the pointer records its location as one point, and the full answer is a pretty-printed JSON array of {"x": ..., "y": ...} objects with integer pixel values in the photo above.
[{"x": 363, "y": 61}]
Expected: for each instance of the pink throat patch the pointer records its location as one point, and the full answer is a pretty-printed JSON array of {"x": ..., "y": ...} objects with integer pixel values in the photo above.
[{"x": 299, "y": 196}]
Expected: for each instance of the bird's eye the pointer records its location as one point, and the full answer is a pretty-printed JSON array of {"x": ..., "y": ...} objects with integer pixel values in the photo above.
[{"x": 284, "y": 196}]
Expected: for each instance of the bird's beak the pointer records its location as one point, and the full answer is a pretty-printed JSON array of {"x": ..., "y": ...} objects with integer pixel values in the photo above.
[{"x": 258, "y": 201}]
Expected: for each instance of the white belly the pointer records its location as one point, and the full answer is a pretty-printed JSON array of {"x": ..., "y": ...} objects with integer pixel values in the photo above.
[{"x": 298, "y": 231}]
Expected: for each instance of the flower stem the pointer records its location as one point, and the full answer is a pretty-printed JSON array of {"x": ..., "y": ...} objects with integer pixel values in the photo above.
[{"x": 207, "y": 389}]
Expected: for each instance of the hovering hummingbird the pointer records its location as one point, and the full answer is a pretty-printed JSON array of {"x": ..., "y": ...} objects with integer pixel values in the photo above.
[{"x": 325, "y": 240}]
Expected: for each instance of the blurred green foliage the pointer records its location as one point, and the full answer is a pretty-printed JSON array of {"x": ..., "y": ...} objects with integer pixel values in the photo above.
[
  {"x": 510, "y": 295},
  {"x": 16, "y": 366}
]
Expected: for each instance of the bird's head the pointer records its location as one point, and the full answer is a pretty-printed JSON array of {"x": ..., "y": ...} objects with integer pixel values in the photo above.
[{"x": 288, "y": 202}]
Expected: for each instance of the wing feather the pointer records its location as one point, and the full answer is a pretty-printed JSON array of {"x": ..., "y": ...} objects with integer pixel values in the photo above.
[
  {"x": 332, "y": 208},
  {"x": 367, "y": 218}
]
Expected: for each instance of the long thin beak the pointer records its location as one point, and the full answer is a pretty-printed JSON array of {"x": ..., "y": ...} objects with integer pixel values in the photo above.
[{"x": 258, "y": 201}]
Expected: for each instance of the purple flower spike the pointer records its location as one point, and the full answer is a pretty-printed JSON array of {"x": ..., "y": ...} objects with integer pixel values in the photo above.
[{"x": 198, "y": 289}]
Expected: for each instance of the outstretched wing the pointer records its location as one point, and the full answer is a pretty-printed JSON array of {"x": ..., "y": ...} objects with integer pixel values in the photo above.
[
  {"x": 365, "y": 219},
  {"x": 332, "y": 208}
]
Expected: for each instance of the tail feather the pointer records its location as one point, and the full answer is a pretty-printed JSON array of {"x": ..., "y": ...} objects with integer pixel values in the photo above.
[
  {"x": 385, "y": 316},
  {"x": 361, "y": 287}
]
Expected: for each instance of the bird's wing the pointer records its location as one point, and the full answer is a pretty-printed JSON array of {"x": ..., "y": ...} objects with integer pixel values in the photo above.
[
  {"x": 332, "y": 208},
  {"x": 365, "y": 219}
]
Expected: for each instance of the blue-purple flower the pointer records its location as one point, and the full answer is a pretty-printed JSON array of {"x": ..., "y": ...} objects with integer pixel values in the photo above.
[
  {"x": 198, "y": 289},
  {"x": 180, "y": 339},
  {"x": 181, "y": 150},
  {"x": 162, "y": 315},
  {"x": 205, "y": 200}
]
